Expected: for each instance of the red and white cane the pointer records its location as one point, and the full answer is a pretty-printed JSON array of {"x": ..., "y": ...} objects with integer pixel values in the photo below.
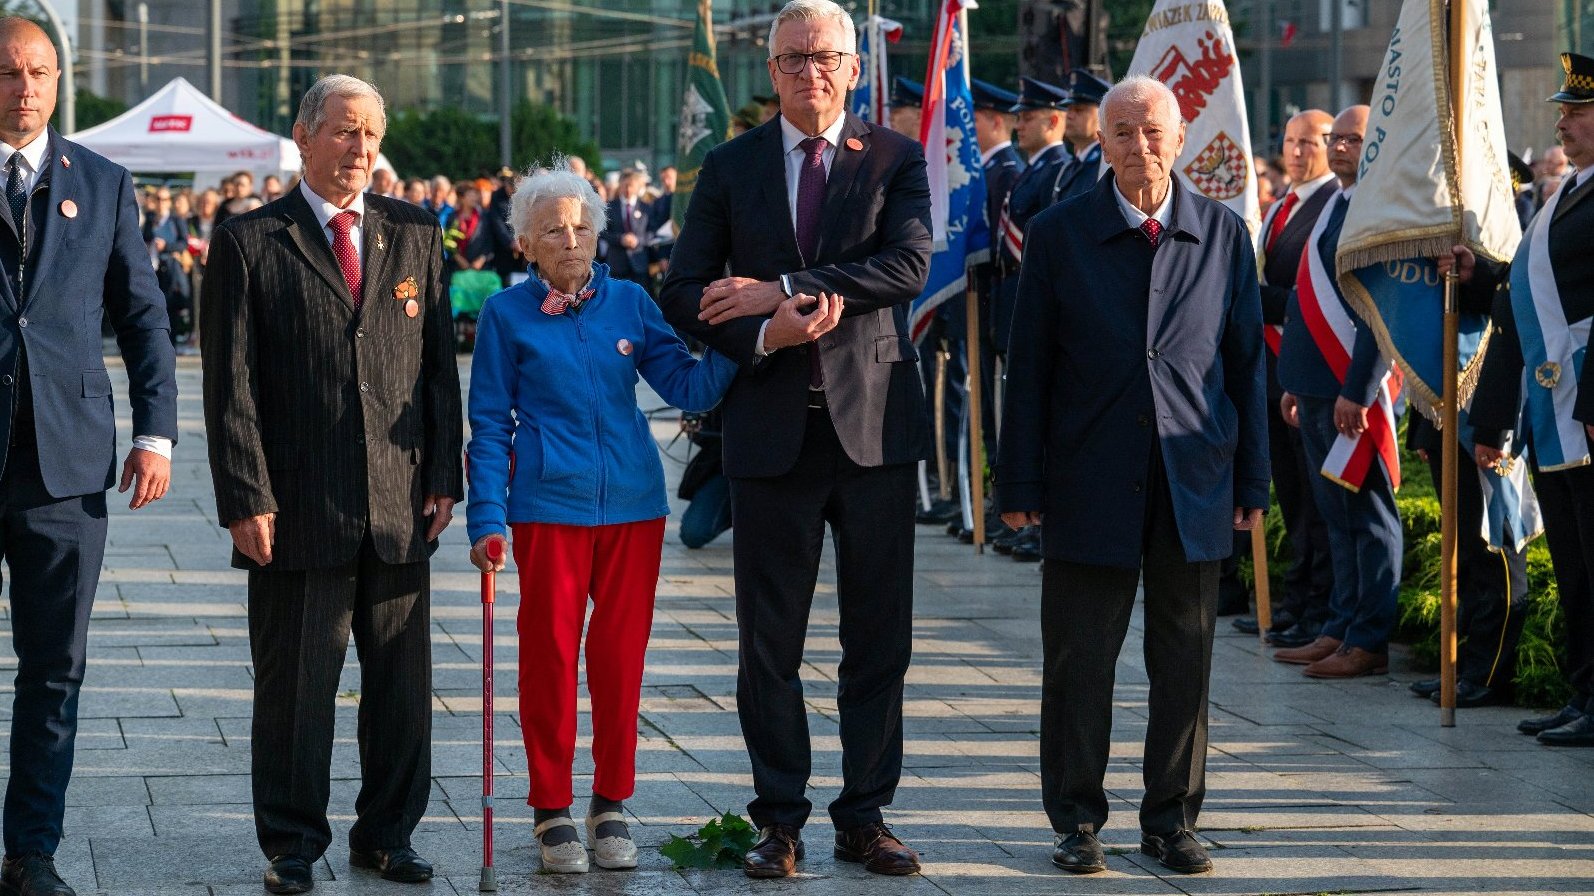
[{"x": 495, "y": 554}]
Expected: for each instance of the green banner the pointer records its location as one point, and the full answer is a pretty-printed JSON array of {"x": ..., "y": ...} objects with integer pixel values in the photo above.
[{"x": 705, "y": 115}]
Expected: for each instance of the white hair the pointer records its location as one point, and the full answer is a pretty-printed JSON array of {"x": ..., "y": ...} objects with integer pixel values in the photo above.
[
  {"x": 808, "y": 10},
  {"x": 313, "y": 107},
  {"x": 1140, "y": 87},
  {"x": 556, "y": 181}
]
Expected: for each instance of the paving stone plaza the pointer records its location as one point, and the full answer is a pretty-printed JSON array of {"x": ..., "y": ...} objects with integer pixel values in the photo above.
[{"x": 1314, "y": 787}]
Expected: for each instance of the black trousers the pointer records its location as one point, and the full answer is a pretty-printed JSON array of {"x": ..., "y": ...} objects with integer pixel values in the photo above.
[
  {"x": 53, "y": 548},
  {"x": 299, "y": 626},
  {"x": 780, "y": 528},
  {"x": 1491, "y": 588},
  {"x": 1310, "y": 578},
  {"x": 1085, "y": 612},
  {"x": 1566, "y": 498}
]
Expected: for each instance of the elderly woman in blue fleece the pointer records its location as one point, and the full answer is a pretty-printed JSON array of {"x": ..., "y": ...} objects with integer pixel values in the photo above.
[{"x": 561, "y": 458}]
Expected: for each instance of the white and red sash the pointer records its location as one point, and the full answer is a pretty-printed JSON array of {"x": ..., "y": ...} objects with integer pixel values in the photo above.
[{"x": 1334, "y": 333}]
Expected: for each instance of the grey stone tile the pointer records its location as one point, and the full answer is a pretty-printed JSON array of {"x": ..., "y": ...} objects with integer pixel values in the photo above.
[{"x": 127, "y": 862}]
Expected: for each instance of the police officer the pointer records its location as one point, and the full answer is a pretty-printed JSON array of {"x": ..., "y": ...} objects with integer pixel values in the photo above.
[
  {"x": 1531, "y": 358},
  {"x": 1080, "y": 126},
  {"x": 1042, "y": 117},
  {"x": 993, "y": 128}
]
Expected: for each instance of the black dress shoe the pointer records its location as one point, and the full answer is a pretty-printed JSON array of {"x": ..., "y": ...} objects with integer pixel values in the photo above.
[
  {"x": 1079, "y": 852},
  {"x": 1425, "y": 688},
  {"x": 777, "y": 852},
  {"x": 1568, "y": 713},
  {"x": 1247, "y": 625},
  {"x": 1576, "y": 733},
  {"x": 1004, "y": 543},
  {"x": 399, "y": 864},
  {"x": 1177, "y": 851},
  {"x": 289, "y": 874},
  {"x": 1297, "y": 635},
  {"x": 939, "y": 514},
  {"x": 877, "y": 849},
  {"x": 1471, "y": 694},
  {"x": 32, "y": 875},
  {"x": 1028, "y": 548}
]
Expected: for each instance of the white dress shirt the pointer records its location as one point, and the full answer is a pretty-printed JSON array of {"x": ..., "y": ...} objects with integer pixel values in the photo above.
[
  {"x": 32, "y": 158},
  {"x": 324, "y": 211},
  {"x": 985, "y": 157},
  {"x": 1136, "y": 217},
  {"x": 791, "y": 140},
  {"x": 1303, "y": 192}
]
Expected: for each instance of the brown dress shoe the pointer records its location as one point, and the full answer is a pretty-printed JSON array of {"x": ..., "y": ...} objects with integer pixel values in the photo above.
[
  {"x": 1304, "y": 656},
  {"x": 776, "y": 853},
  {"x": 1349, "y": 662},
  {"x": 877, "y": 848}
]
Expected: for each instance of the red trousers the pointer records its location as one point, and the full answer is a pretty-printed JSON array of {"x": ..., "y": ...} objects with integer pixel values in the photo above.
[{"x": 560, "y": 567}]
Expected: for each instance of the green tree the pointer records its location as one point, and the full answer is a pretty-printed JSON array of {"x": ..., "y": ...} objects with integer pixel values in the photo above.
[
  {"x": 537, "y": 132},
  {"x": 456, "y": 143},
  {"x": 92, "y": 109}
]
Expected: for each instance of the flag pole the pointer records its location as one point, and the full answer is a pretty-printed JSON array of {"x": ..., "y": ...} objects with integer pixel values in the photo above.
[
  {"x": 974, "y": 407},
  {"x": 1451, "y": 456},
  {"x": 1264, "y": 586}
]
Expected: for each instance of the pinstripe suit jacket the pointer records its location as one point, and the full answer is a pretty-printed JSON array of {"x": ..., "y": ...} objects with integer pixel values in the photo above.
[{"x": 339, "y": 421}]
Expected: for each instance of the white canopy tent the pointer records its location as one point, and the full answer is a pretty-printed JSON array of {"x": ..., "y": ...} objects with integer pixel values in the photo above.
[{"x": 182, "y": 129}]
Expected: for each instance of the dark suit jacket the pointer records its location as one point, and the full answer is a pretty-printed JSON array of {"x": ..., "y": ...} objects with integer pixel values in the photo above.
[
  {"x": 874, "y": 250},
  {"x": 1280, "y": 266},
  {"x": 1001, "y": 172},
  {"x": 633, "y": 264},
  {"x": 339, "y": 421},
  {"x": 86, "y": 266},
  {"x": 1078, "y": 175},
  {"x": 1161, "y": 347},
  {"x": 1498, "y": 400}
]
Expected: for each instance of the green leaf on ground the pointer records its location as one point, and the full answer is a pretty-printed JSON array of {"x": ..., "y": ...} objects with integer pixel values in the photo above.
[{"x": 719, "y": 844}]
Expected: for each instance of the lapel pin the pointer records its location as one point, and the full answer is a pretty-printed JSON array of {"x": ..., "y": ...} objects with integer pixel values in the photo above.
[
  {"x": 66, "y": 162},
  {"x": 378, "y": 239},
  {"x": 68, "y": 208},
  {"x": 411, "y": 307},
  {"x": 623, "y": 346},
  {"x": 408, "y": 289},
  {"x": 854, "y": 144}
]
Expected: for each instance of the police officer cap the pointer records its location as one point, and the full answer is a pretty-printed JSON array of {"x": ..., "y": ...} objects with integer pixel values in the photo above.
[
  {"x": 906, "y": 93},
  {"x": 1033, "y": 94},
  {"x": 1085, "y": 87},
  {"x": 989, "y": 96},
  {"x": 1579, "y": 84}
]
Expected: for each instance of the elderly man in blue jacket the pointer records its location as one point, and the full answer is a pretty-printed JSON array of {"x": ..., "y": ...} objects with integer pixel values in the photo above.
[{"x": 1134, "y": 433}]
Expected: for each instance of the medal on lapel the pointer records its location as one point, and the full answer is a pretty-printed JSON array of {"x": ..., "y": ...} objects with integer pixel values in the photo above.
[
  {"x": 378, "y": 240},
  {"x": 408, "y": 289}
]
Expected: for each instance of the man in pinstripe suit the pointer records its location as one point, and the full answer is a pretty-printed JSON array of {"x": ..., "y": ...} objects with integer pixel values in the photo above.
[{"x": 333, "y": 411}]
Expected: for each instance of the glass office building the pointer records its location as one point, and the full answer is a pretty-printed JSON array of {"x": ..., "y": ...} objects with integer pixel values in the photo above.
[{"x": 615, "y": 67}]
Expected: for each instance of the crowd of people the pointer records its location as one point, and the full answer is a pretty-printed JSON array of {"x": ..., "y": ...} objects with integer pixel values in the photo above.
[
  {"x": 477, "y": 241},
  {"x": 1160, "y": 370}
]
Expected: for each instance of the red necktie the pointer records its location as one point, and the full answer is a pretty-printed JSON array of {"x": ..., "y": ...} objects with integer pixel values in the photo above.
[
  {"x": 1276, "y": 227},
  {"x": 1152, "y": 228},
  {"x": 343, "y": 248}
]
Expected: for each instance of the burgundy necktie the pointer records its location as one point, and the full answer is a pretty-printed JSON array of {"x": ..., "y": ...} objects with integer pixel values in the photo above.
[
  {"x": 343, "y": 248},
  {"x": 810, "y": 199},
  {"x": 1153, "y": 231}
]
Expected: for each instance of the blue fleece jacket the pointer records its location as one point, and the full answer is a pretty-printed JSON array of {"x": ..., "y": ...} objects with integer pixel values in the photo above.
[{"x": 557, "y": 395}]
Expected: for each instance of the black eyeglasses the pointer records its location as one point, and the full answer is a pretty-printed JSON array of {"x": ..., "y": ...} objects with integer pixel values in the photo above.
[
  {"x": 824, "y": 61},
  {"x": 1349, "y": 139}
]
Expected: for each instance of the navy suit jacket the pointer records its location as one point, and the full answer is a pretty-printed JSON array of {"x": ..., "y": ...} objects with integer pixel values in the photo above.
[
  {"x": 91, "y": 263},
  {"x": 632, "y": 264},
  {"x": 1078, "y": 175},
  {"x": 874, "y": 250},
  {"x": 1302, "y": 367},
  {"x": 1161, "y": 347}
]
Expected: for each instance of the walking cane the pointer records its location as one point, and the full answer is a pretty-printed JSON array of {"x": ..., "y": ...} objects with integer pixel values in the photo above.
[{"x": 495, "y": 553}]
